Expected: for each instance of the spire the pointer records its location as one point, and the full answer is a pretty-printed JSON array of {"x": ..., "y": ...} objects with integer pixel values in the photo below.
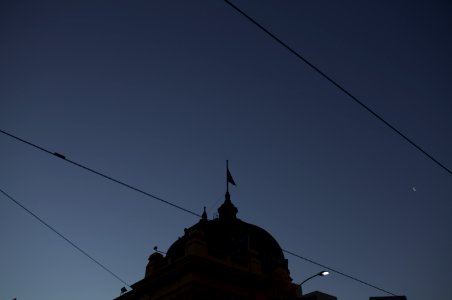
[
  {"x": 204, "y": 215},
  {"x": 227, "y": 210}
]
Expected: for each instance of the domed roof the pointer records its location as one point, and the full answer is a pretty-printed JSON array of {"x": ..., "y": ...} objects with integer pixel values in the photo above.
[
  {"x": 228, "y": 236},
  {"x": 155, "y": 257}
]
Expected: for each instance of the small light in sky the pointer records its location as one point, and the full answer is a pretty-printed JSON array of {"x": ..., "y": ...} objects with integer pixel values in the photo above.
[{"x": 414, "y": 189}]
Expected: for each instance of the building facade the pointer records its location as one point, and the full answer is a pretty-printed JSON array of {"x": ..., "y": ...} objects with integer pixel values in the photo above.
[{"x": 224, "y": 258}]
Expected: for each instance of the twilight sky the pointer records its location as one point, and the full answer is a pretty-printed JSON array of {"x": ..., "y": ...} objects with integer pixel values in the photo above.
[{"x": 160, "y": 93}]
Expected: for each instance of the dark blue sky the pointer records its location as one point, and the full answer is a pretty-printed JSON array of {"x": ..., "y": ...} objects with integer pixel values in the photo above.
[{"x": 160, "y": 93}]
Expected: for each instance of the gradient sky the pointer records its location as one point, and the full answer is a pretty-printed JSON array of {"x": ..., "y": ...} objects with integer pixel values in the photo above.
[{"x": 160, "y": 93}]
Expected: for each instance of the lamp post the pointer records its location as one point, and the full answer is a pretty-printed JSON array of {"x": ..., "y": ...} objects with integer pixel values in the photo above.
[{"x": 323, "y": 273}]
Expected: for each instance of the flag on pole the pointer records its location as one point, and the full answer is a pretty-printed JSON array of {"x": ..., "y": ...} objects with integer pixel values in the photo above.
[{"x": 230, "y": 179}]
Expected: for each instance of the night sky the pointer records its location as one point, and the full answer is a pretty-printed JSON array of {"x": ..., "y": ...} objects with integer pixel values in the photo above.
[{"x": 159, "y": 94}]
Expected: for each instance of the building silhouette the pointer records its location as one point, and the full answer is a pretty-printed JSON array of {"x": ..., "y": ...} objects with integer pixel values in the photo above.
[
  {"x": 388, "y": 298},
  {"x": 223, "y": 258},
  {"x": 316, "y": 295}
]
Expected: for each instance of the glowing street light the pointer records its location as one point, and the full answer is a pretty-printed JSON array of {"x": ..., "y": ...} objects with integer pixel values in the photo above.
[{"x": 323, "y": 273}]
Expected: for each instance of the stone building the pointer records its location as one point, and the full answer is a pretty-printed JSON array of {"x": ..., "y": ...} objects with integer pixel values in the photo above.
[{"x": 223, "y": 258}]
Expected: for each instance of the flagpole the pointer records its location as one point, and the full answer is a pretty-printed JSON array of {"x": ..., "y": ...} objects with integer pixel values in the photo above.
[{"x": 227, "y": 181}]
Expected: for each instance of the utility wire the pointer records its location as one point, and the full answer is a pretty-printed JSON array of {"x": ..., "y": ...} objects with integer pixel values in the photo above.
[
  {"x": 338, "y": 272},
  {"x": 63, "y": 237},
  {"x": 298, "y": 55},
  {"x": 99, "y": 173},
  {"x": 196, "y": 214},
  {"x": 150, "y": 195}
]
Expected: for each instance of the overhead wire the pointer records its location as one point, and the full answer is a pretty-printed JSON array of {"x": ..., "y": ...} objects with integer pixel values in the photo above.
[
  {"x": 138, "y": 190},
  {"x": 338, "y": 272},
  {"x": 337, "y": 85},
  {"x": 196, "y": 214},
  {"x": 63, "y": 157},
  {"x": 70, "y": 242}
]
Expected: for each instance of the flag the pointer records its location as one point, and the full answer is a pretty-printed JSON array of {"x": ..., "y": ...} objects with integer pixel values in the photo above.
[{"x": 230, "y": 179}]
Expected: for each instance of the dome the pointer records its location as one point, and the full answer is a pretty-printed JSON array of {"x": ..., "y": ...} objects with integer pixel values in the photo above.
[
  {"x": 155, "y": 257},
  {"x": 228, "y": 237},
  {"x": 222, "y": 258},
  {"x": 156, "y": 260}
]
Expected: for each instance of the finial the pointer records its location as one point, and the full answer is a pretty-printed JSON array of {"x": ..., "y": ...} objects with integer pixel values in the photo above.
[
  {"x": 123, "y": 290},
  {"x": 227, "y": 210},
  {"x": 204, "y": 215}
]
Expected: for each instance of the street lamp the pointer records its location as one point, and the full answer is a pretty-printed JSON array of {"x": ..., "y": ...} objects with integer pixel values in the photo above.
[{"x": 323, "y": 273}]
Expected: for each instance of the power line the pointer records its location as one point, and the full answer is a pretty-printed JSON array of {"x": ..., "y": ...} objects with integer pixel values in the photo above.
[
  {"x": 332, "y": 81},
  {"x": 196, "y": 214},
  {"x": 338, "y": 272},
  {"x": 150, "y": 195},
  {"x": 63, "y": 237},
  {"x": 155, "y": 248},
  {"x": 99, "y": 173}
]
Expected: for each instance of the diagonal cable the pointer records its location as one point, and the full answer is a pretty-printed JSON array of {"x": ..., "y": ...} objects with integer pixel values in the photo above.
[
  {"x": 147, "y": 194},
  {"x": 332, "y": 81},
  {"x": 99, "y": 173},
  {"x": 338, "y": 272},
  {"x": 63, "y": 237}
]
